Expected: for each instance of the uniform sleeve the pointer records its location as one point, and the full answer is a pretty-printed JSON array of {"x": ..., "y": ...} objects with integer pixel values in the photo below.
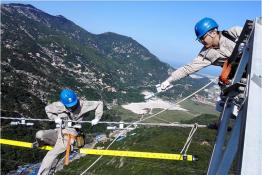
[
  {"x": 94, "y": 105},
  {"x": 50, "y": 114},
  {"x": 55, "y": 110},
  {"x": 235, "y": 31},
  {"x": 197, "y": 64}
]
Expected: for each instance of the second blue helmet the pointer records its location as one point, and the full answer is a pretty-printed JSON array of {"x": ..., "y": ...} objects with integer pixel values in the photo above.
[{"x": 203, "y": 26}]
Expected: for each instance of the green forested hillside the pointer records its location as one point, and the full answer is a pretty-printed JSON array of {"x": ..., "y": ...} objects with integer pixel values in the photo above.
[{"x": 41, "y": 53}]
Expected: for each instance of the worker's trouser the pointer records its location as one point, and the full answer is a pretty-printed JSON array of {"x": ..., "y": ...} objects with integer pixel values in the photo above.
[
  {"x": 220, "y": 104},
  {"x": 58, "y": 138}
]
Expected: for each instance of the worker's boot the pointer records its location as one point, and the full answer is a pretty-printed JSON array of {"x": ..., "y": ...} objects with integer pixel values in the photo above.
[
  {"x": 215, "y": 126},
  {"x": 220, "y": 102},
  {"x": 38, "y": 143},
  {"x": 235, "y": 112}
]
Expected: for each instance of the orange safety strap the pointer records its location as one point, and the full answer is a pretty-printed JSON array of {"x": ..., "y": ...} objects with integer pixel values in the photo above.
[
  {"x": 225, "y": 72},
  {"x": 68, "y": 147}
]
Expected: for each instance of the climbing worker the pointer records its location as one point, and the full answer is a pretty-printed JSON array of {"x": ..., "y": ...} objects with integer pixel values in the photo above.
[
  {"x": 218, "y": 47},
  {"x": 69, "y": 108}
]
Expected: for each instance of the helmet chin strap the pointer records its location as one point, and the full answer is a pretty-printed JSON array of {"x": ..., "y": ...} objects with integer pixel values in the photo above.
[
  {"x": 215, "y": 40},
  {"x": 74, "y": 108},
  {"x": 213, "y": 36}
]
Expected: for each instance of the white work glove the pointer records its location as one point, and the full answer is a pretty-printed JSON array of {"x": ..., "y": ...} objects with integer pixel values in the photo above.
[
  {"x": 163, "y": 86},
  {"x": 94, "y": 121},
  {"x": 58, "y": 122}
]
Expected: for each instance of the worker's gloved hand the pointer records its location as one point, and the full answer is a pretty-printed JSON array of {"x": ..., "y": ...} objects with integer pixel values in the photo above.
[
  {"x": 163, "y": 86},
  {"x": 58, "y": 122},
  {"x": 94, "y": 121}
]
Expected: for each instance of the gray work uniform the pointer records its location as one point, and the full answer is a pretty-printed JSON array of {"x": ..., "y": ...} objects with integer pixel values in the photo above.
[
  {"x": 211, "y": 56},
  {"x": 56, "y": 137}
]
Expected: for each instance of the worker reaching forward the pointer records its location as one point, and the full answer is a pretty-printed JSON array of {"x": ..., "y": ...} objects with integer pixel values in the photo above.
[
  {"x": 218, "y": 46},
  {"x": 68, "y": 108}
]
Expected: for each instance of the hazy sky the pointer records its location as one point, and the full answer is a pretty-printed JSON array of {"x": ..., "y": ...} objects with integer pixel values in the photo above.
[{"x": 165, "y": 28}]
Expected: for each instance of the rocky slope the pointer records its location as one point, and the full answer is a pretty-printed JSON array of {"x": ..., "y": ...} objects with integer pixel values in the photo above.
[{"x": 42, "y": 53}]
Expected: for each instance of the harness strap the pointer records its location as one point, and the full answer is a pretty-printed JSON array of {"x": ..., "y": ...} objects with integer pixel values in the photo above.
[
  {"x": 227, "y": 67},
  {"x": 228, "y": 36},
  {"x": 68, "y": 147}
]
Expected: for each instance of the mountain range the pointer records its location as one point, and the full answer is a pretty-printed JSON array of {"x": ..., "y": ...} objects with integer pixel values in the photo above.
[{"x": 41, "y": 54}]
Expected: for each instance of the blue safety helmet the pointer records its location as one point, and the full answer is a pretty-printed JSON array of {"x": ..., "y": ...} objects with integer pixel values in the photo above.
[
  {"x": 203, "y": 26},
  {"x": 68, "y": 98}
]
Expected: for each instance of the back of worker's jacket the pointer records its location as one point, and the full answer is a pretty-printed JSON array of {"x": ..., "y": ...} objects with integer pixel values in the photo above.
[{"x": 57, "y": 109}]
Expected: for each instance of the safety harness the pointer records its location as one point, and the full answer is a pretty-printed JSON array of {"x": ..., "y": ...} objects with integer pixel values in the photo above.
[
  {"x": 73, "y": 141},
  {"x": 229, "y": 67}
]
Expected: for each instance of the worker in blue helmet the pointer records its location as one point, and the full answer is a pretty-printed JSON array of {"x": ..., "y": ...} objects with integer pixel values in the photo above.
[
  {"x": 217, "y": 48},
  {"x": 67, "y": 114},
  {"x": 203, "y": 26},
  {"x": 69, "y": 99}
]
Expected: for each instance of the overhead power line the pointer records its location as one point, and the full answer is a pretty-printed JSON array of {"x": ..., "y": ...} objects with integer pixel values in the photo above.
[{"x": 107, "y": 122}]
